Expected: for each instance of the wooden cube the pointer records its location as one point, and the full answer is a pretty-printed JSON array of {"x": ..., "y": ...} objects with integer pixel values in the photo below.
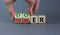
[
  {"x": 18, "y": 18},
  {"x": 26, "y": 18},
  {"x": 41, "y": 19},
  {"x": 34, "y": 19}
]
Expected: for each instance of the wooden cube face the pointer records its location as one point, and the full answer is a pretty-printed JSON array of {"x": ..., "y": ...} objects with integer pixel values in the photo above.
[
  {"x": 33, "y": 19},
  {"x": 18, "y": 15},
  {"x": 41, "y": 19},
  {"x": 26, "y": 18},
  {"x": 18, "y": 18},
  {"x": 26, "y": 15}
]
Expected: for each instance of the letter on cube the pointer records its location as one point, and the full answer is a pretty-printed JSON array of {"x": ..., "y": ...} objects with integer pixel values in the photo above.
[
  {"x": 33, "y": 19},
  {"x": 41, "y": 19}
]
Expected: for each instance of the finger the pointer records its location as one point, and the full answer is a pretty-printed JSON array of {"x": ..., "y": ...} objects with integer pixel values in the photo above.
[
  {"x": 11, "y": 9},
  {"x": 31, "y": 13},
  {"x": 12, "y": 14},
  {"x": 35, "y": 8},
  {"x": 12, "y": 18},
  {"x": 30, "y": 8},
  {"x": 7, "y": 2}
]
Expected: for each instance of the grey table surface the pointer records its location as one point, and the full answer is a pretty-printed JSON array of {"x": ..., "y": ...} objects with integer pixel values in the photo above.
[{"x": 29, "y": 29}]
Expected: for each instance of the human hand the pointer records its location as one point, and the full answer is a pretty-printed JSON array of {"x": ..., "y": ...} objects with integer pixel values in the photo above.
[{"x": 33, "y": 6}]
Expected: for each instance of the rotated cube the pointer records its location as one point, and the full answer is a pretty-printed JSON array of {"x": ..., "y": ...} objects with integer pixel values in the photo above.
[
  {"x": 26, "y": 18},
  {"x": 18, "y": 18}
]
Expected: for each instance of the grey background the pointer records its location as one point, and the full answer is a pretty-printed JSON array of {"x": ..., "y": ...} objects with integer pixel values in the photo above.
[{"x": 50, "y": 8}]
